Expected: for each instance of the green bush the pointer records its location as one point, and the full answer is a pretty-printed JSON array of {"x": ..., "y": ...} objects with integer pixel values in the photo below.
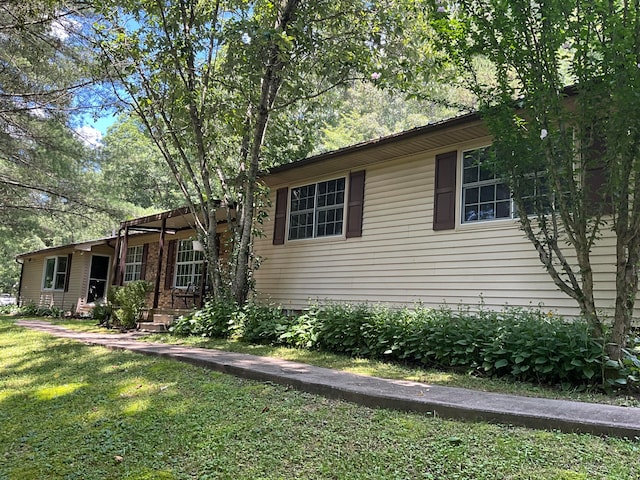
[
  {"x": 263, "y": 323},
  {"x": 101, "y": 312},
  {"x": 128, "y": 303},
  {"x": 33, "y": 310},
  {"x": 302, "y": 331},
  {"x": 216, "y": 319},
  {"x": 524, "y": 344}
]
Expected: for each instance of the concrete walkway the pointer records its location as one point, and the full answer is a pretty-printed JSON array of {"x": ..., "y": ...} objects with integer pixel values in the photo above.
[{"x": 442, "y": 401}]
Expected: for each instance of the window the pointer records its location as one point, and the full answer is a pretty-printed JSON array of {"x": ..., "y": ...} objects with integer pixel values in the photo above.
[
  {"x": 55, "y": 273},
  {"x": 317, "y": 210},
  {"x": 133, "y": 263},
  {"x": 189, "y": 265},
  {"x": 486, "y": 197}
]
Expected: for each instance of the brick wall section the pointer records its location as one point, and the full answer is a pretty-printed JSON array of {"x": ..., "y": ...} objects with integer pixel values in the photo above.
[{"x": 164, "y": 300}]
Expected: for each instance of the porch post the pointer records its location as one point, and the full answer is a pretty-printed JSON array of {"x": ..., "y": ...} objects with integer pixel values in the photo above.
[
  {"x": 156, "y": 291},
  {"x": 123, "y": 257},
  {"x": 116, "y": 260}
]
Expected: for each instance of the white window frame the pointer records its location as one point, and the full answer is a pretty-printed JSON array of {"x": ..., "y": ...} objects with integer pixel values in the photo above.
[
  {"x": 480, "y": 185},
  {"x": 316, "y": 211},
  {"x": 495, "y": 182},
  {"x": 189, "y": 265},
  {"x": 133, "y": 263},
  {"x": 56, "y": 273}
]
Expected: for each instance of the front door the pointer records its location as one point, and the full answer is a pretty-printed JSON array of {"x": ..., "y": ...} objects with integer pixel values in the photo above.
[{"x": 98, "y": 277}]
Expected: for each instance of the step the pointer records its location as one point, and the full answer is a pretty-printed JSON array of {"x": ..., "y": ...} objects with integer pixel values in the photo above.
[
  {"x": 163, "y": 318},
  {"x": 152, "y": 327}
]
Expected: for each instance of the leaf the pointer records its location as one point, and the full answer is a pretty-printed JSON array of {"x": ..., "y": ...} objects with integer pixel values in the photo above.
[{"x": 501, "y": 363}]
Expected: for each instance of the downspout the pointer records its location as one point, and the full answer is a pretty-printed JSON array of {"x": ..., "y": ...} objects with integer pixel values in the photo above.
[
  {"x": 19, "y": 295},
  {"x": 156, "y": 290}
]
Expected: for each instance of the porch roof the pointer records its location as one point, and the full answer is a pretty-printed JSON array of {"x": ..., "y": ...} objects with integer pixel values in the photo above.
[
  {"x": 85, "y": 246},
  {"x": 176, "y": 220}
]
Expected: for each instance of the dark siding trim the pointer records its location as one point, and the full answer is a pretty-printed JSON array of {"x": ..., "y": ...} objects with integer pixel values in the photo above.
[
  {"x": 444, "y": 208},
  {"x": 171, "y": 261},
  {"x": 68, "y": 272},
  {"x": 355, "y": 207},
  {"x": 280, "y": 221}
]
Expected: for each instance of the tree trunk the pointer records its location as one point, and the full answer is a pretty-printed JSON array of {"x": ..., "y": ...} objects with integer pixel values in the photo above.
[
  {"x": 269, "y": 88},
  {"x": 628, "y": 256}
]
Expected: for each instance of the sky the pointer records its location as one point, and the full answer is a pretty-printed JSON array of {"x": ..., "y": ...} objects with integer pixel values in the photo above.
[{"x": 92, "y": 132}]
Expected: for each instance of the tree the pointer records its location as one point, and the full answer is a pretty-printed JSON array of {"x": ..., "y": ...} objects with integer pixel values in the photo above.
[
  {"x": 131, "y": 169},
  {"x": 577, "y": 148},
  {"x": 217, "y": 83},
  {"x": 365, "y": 111}
]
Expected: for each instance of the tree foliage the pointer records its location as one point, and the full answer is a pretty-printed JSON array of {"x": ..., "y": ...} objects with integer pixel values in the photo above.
[
  {"x": 46, "y": 198},
  {"x": 131, "y": 169},
  {"x": 218, "y": 86},
  {"x": 579, "y": 145}
]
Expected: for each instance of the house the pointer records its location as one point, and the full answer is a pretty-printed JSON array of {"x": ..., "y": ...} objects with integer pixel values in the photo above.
[
  {"x": 59, "y": 276},
  {"x": 403, "y": 220},
  {"x": 157, "y": 248},
  {"x": 406, "y": 219}
]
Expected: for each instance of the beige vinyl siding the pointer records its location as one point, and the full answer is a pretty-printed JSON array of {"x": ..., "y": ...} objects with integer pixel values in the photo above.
[
  {"x": 33, "y": 271},
  {"x": 401, "y": 260}
]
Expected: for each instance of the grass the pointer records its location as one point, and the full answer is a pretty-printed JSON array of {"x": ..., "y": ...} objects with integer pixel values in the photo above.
[
  {"x": 70, "y": 411},
  {"x": 381, "y": 369}
]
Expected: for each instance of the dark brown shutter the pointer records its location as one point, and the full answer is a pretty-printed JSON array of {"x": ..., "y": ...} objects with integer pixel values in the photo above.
[
  {"x": 444, "y": 208},
  {"x": 280, "y": 221},
  {"x": 171, "y": 261},
  {"x": 355, "y": 207},
  {"x": 596, "y": 178},
  {"x": 143, "y": 267},
  {"x": 68, "y": 272}
]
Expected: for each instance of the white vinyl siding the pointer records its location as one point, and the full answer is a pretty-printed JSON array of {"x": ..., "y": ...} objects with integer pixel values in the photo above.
[{"x": 401, "y": 260}]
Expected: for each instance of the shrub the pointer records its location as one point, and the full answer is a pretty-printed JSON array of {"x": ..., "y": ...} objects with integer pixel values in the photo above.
[
  {"x": 33, "y": 310},
  {"x": 216, "y": 319},
  {"x": 128, "y": 303},
  {"x": 525, "y": 344},
  {"x": 263, "y": 323},
  {"x": 303, "y": 330},
  {"x": 101, "y": 312}
]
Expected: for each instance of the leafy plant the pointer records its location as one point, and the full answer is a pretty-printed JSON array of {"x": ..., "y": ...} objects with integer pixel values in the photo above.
[
  {"x": 263, "y": 323},
  {"x": 216, "y": 319},
  {"x": 128, "y": 303}
]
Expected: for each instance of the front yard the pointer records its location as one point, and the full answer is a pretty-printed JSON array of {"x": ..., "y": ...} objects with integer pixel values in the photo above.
[{"x": 71, "y": 411}]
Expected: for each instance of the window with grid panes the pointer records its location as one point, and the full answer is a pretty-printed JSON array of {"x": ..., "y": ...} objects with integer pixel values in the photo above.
[
  {"x": 317, "y": 210},
  {"x": 487, "y": 197},
  {"x": 133, "y": 263},
  {"x": 189, "y": 265}
]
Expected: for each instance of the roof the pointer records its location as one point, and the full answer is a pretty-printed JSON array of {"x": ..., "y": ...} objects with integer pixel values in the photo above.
[
  {"x": 434, "y": 136},
  {"x": 86, "y": 246}
]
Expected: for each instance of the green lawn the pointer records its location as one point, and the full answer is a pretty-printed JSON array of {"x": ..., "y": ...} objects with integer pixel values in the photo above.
[{"x": 71, "y": 411}]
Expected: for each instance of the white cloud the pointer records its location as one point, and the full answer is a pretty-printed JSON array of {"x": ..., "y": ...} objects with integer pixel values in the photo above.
[
  {"x": 89, "y": 135},
  {"x": 62, "y": 27}
]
